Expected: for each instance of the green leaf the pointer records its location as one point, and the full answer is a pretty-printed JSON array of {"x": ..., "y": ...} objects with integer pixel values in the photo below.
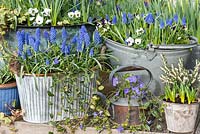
[{"x": 50, "y": 93}]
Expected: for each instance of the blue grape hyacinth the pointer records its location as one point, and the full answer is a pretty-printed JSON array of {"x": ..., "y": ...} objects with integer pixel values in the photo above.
[
  {"x": 46, "y": 35},
  {"x": 87, "y": 39},
  {"x": 53, "y": 33},
  {"x": 124, "y": 18},
  {"x": 149, "y": 19},
  {"x": 97, "y": 37},
  {"x": 37, "y": 34},
  {"x": 91, "y": 54},
  {"x": 114, "y": 20},
  {"x": 162, "y": 24},
  {"x": 64, "y": 34},
  {"x": 20, "y": 43}
]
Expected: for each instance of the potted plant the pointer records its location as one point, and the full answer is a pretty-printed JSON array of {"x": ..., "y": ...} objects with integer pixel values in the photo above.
[
  {"x": 9, "y": 97},
  {"x": 56, "y": 73},
  {"x": 180, "y": 96},
  {"x": 140, "y": 38},
  {"x": 130, "y": 94}
]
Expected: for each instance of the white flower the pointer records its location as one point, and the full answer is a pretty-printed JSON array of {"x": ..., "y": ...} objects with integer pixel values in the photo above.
[
  {"x": 32, "y": 18},
  {"x": 71, "y": 14},
  {"x": 139, "y": 31},
  {"x": 39, "y": 19},
  {"x": 138, "y": 41},
  {"x": 32, "y": 11},
  {"x": 130, "y": 41},
  {"x": 137, "y": 16},
  {"x": 77, "y": 14},
  {"x": 48, "y": 22},
  {"x": 179, "y": 38},
  {"x": 46, "y": 12}
]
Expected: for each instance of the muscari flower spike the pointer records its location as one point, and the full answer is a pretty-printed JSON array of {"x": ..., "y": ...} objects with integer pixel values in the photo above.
[
  {"x": 63, "y": 46},
  {"x": 87, "y": 39},
  {"x": 53, "y": 33},
  {"x": 67, "y": 50},
  {"x": 55, "y": 61},
  {"x": 23, "y": 33},
  {"x": 114, "y": 20},
  {"x": 27, "y": 38},
  {"x": 162, "y": 24},
  {"x": 47, "y": 62},
  {"x": 74, "y": 39},
  {"x": 130, "y": 16},
  {"x": 36, "y": 45},
  {"x": 124, "y": 18},
  {"x": 91, "y": 53},
  {"x": 97, "y": 37},
  {"x": 149, "y": 19},
  {"x": 107, "y": 18},
  {"x": 46, "y": 35},
  {"x": 175, "y": 18},
  {"x": 184, "y": 21},
  {"x": 64, "y": 34},
  {"x": 20, "y": 43},
  {"x": 169, "y": 22},
  {"x": 31, "y": 40},
  {"x": 79, "y": 46},
  {"x": 28, "y": 52},
  {"x": 37, "y": 34}
]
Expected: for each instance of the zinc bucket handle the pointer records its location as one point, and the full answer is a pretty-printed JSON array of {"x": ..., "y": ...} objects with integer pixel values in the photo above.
[{"x": 130, "y": 68}]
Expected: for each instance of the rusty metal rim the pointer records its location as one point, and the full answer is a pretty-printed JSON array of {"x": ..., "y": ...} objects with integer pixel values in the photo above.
[{"x": 8, "y": 85}]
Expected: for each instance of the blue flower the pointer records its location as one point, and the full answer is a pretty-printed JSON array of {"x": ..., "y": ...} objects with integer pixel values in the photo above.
[
  {"x": 117, "y": 93},
  {"x": 74, "y": 39},
  {"x": 115, "y": 81},
  {"x": 120, "y": 129},
  {"x": 126, "y": 90},
  {"x": 36, "y": 45},
  {"x": 20, "y": 43},
  {"x": 37, "y": 34},
  {"x": 124, "y": 18},
  {"x": 141, "y": 85},
  {"x": 27, "y": 38},
  {"x": 146, "y": 4},
  {"x": 175, "y": 18},
  {"x": 55, "y": 61},
  {"x": 23, "y": 36},
  {"x": 132, "y": 79},
  {"x": 118, "y": 8},
  {"x": 107, "y": 18},
  {"x": 169, "y": 22},
  {"x": 162, "y": 24},
  {"x": 114, "y": 20},
  {"x": 64, "y": 34},
  {"x": 63, "y": 46},
  {"x": 136, "y": 90},
  {"x": 81, "y": 126},
  {"x": 97, "y": 38},
  {"x": 79, "y": 46},
  {"x": 91, "y": 52},
  {"x": 83, "y": 29},
  {"x": 184, "y": 21},
  {"x": 46, "y": 35},
  {"x": 90, "y": 19},
  {"x": 53, "y": 33},
  {"x": 47, "y": 62},
  {"x": 87, "y": 39},
  {"x": 31, "y": 40},
  {"x": 149, "y": 19},
  {"x": 130, "y": 16},
  {"x": 28, "y": 51},
  {"x": 67, "y": 50}
]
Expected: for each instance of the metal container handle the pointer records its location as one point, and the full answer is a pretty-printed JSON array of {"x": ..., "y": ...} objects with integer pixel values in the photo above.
[{"x": 128, "y": 69}]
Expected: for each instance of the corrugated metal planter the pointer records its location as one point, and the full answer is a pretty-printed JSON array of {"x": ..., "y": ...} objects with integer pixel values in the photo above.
[
  {"x": 181, "y": 118},
  {"x": 151, "y": 58},
  {"x": 8, "y": 94},
  {"x": 33, "y": 93}
]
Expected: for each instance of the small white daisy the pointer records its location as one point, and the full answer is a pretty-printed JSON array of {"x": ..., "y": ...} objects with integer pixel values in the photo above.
[
  {"x": 139, "y": 31},
  {"x": 77, "y": 14},
  {"x": 71, "y": 14},
  {"x": 39, "y": 19},
  {"x": 138, "y": 41},
  {"x": 130, "y": 41}
]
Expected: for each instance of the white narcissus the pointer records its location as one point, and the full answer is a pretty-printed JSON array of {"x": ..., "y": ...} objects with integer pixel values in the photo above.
[
  {"x": 48, "y": 22},
  {"x": 47, "y": 12},
  {"x": 71, "y": 14},
  {"x": 32, "y": 11},
  {"x": 39, "y": 20},
  {"x": 130, "y": 41}
]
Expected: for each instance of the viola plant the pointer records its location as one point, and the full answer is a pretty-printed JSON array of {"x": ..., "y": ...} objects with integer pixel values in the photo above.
[
  {"x": 139, "y": 30},
  {"x": 180, "y": 82}
]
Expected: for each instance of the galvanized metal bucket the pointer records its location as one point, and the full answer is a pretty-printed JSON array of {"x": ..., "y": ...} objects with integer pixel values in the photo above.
[
  {"x": 35, "y": 101},
  {"x": 120, "y": 108},
  {"x": 181, "y": 118},
  {"x": 151, "y": 58}
]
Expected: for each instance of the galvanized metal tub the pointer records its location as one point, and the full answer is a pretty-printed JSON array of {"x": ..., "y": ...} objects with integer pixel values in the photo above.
[
  {"x": 151, "y": 58},
  {"x": 35, "y": 101},
  {"x": 181, "y": 118}
]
